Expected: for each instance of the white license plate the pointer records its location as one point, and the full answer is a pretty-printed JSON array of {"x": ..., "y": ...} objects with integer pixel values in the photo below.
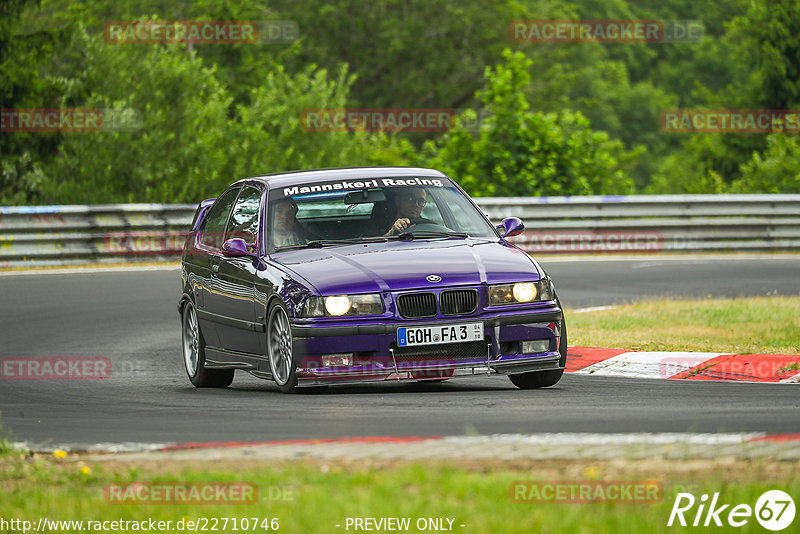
[{"x": 409, "y": 336}]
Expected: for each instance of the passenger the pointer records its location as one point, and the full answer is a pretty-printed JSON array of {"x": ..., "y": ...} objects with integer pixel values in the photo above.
[{"x": 286, "y": 229}]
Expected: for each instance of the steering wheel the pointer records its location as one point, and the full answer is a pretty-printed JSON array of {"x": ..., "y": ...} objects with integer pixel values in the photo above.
[{"x": 421, "y": 224}]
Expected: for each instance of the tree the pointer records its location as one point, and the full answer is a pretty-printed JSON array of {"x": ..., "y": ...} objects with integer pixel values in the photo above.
[
  {"x": 519, "y": 152},
  {"x": 24, "y": 55},
  {"x": 172, "y": 144},
  {"x": 777, "y": 170},
  {"x": 182, "y": 138},
  {"x": 270, "y": 136}
]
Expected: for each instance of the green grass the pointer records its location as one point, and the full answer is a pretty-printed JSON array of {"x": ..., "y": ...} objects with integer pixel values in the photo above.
[
  {"x": 744, "y": 326},
  {"x": 6, "y": 447},
  {"x": 324, "y": 494}
]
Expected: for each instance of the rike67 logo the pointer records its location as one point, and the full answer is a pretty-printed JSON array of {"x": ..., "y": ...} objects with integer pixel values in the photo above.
[{"x": 774, "y": 510}]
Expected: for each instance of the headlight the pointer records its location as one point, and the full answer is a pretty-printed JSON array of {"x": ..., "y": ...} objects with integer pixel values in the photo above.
[
  {"x": 524, "y": 291},
  {"x": 521, "y": 292},
  {"x": 339, "y": 305}
]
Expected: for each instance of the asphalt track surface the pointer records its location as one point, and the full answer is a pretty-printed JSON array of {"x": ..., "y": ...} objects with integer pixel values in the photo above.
[{"x": 131, "y": 318}]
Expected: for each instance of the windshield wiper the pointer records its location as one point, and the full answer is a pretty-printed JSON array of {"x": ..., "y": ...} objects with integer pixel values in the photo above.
[
  {"x": 316, "y": 243},
  {"x": 427, "y": 233},
  {"x": 319, "y": 243}
]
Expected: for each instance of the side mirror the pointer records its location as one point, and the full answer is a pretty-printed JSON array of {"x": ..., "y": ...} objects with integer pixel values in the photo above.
[
  {"x": 236, "y": 247},
  {"x": 510, "y": 227}
]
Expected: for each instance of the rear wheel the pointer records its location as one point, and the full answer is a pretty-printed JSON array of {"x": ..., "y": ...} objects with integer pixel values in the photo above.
[
  {"x": 194, "y": 354},
  {"x": 279, "y": 348},
  {"x": 543, "y": 379}
]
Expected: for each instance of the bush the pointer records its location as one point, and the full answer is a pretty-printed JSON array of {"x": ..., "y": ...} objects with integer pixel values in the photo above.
[{"x": 516, "y": 152}]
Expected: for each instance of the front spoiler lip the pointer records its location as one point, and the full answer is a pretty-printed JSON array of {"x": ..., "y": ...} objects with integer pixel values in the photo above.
[
  {"x": 471, "y": 368},
  {"x": 305, "y": 331}
]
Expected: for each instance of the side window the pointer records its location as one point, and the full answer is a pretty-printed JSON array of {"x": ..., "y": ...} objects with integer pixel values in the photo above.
[
  {"x": 214, "y": 226},
  {"x": 244, "y": 219}
]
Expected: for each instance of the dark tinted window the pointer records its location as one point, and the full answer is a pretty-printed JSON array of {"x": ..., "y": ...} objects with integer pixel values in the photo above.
[
  {"x": 214, "y": 227},
  {"x": 244, "y": 219},
  {"x": 331, "y": 214}
]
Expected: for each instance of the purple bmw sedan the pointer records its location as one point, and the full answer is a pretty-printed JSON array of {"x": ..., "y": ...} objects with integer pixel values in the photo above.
[{"x": 353, "y": 275}]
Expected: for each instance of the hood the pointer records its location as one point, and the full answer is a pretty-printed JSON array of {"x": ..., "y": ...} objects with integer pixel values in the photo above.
[{"x": 404, "y": 265}]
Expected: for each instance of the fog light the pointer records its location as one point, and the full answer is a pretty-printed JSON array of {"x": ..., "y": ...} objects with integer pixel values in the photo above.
[
  {"x": 535, "y": 346},
  {"x": 337, "y": 360}
]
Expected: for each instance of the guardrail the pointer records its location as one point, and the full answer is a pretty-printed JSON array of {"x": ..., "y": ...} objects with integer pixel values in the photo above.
[
  {"x": 61, "y": 235},
  {"x": 58, "y": 235},
  {"x": 653, "y": 223}
]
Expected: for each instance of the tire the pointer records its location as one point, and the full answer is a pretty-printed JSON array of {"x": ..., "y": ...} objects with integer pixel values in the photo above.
[
  {"x": 282, "y": 364},
  {"x": 543, "y": 379},
  {"x": 194, "y": 354}
]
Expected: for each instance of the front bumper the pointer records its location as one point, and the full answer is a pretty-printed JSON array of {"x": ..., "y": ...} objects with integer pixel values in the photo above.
[{"x": 378, "y": 358}]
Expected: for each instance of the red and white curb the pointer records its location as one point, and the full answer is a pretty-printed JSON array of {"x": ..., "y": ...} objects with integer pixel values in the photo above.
[
  {"x": 497, "y": 446},
  {"x": 722, "y": 366}
]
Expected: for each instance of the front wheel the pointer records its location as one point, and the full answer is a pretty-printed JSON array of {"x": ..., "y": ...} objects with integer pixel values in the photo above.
[
  {"x": 543, "y": 379},
  {"x": 279, "y": 348},
  {"x": 194, "y": 354}
]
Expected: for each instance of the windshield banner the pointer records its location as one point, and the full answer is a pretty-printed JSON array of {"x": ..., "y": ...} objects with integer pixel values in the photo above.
[{"x": 347, "y": 185}]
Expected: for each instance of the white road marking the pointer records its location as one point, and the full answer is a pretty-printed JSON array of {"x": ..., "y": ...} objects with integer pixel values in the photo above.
[{"x": 649, "y": 364}]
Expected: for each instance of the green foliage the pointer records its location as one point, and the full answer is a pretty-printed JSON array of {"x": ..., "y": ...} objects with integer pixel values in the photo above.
[
  {"x": 777, "y": 170},
  {"x": 172, "y": 143},
  {"x": 756, "y": 63},
  {"x": 24, "y": 52},
  {"x": 769, "y": 36},
  {"x": 518, "y": 152},
  {"x": 414, "y": 53},
  {"x": 183, "y": 138},
  {"x": 184, "y": 120},
  {"x": 269, "y": 133}
]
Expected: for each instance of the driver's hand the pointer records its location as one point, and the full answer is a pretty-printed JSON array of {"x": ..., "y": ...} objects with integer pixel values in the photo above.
[{"x": 399, "y": 225}]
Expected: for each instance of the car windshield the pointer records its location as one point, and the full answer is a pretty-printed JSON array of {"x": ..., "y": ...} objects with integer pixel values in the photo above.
[{"x": 315, "y": 215}]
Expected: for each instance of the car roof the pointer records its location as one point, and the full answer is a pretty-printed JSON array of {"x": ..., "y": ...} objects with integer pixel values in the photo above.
[{"x": 288, "y": 178}]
